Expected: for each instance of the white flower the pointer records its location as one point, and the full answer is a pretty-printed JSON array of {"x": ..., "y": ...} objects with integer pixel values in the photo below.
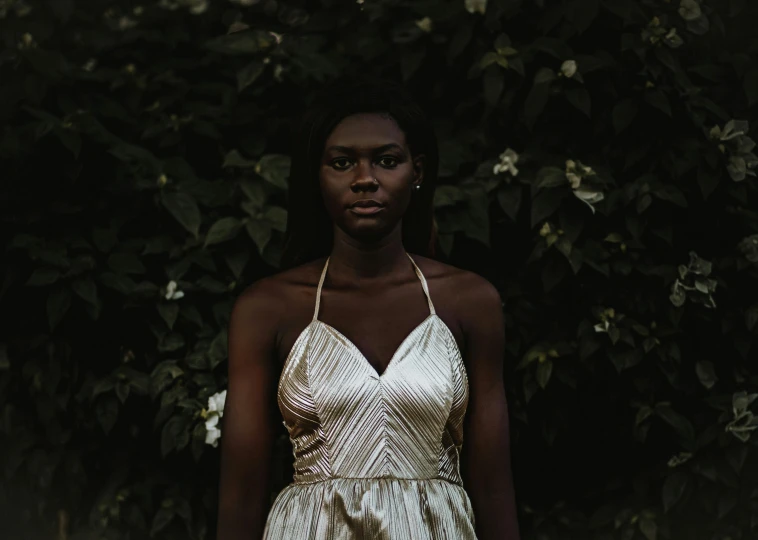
[
  {"x": 508, "y": 160},
  {"x": 216, "y": 403},
  {"x": 474, "y": 6},
  {"x": 170, "y": 5},
  {"x": 681, "y": 457},
  {"x": 575, "y": 172},
  {"x": 213, "y": 414},
  {"x": 172, "y": 293},
  {"x": 568, "y": 68},
  {"x": 690, "y": 10},
  {"x": 733, "y": 128},
  {"x": 198, "y": 7},
  {"x": 589, "y": 197},
  {"x": 425, "y": 24},
  {"x": 212, "y": 432},
  {"x": 602, "y": 327},
  {"x": 125, "y": 22}
]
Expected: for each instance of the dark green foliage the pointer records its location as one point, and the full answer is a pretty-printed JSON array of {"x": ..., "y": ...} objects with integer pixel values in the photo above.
[{"x": 144, "y": 162}]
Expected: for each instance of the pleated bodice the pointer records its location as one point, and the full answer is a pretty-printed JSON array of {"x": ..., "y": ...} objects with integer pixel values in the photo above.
[{"x": 376, "y": 455}]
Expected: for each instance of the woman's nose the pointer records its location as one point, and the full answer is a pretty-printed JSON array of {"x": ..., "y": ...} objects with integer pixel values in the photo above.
[{"x": 364, "y": 178}]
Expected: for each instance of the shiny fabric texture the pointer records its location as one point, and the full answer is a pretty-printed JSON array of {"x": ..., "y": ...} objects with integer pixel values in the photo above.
[{"x": 376, "y": 455}]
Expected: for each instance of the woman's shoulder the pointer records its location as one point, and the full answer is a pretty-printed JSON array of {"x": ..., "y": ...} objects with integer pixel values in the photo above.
[
  {"x": 283, "y": 289},
  {"x": 461, "y": 295},
  {"x": 449, "y": 276}
]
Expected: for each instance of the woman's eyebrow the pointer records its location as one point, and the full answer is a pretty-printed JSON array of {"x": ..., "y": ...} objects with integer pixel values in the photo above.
[{"x": 350, "y": 149}]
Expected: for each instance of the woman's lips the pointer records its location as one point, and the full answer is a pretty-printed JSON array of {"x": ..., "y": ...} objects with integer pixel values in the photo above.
[{"x": 366, "y": 210}]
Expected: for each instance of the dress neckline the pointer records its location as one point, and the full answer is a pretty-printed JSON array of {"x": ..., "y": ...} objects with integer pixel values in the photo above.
[{"x": 353, "y": 347}]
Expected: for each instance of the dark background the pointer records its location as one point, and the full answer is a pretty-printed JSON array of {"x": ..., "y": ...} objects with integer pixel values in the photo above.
[{"x": 145, "y": 142}]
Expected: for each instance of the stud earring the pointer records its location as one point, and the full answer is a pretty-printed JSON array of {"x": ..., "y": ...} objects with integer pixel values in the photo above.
[{"x": 417, "y": 187}]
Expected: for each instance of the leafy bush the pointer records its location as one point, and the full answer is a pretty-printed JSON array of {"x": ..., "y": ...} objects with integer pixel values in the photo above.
[{"x": 596, "y": 165}]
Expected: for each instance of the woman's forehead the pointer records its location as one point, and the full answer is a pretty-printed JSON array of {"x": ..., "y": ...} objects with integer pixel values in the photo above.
[{"x": 366, "y": 130}]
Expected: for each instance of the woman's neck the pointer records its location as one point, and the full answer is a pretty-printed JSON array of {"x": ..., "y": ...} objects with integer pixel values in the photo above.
[{"x": 353, "y": 259}]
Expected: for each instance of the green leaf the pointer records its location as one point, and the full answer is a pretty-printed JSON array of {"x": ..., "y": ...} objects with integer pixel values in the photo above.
[
  {"x": 5, "y": 363},
  {"x": 551, "y": 177},
  {"x": 58, "y": 303},
  {"x": 255, "y": 192},
  {"x": 679, "y": 422},
  {"x": 580, "y": 98},
  {"x": 552, "y": 274},
  {"x": 535, "y": 103},
  {"x": 706, "y": 373},
  {"x": 707, "y": 180},
  {"x": 411, "y": 60},
  {"x": 70, "y": 139},
  {"x": 493, "y": 83},
  {"x": 546, "y": 203},
  {"x": 118, "y": 282},
  {"x": 171, "y": 342},
  {"x": 244, "y": 42},
  {"x": 260, "y": 233},
  {"x": 669, "y": 192},
  {"x": 162, "y": 518},
  {"x": 248, "y": 74},
  {"x": 544, "y": 370},
  {"x": 122, "y": 391},
  {"x": 623, "y": 114},
  {"x": 488, "y": 59},
  {"x": 447, "y": 195},
  {"x": 751, "y": 317},
  {"x": 625, "y": 359},
  {"x": 509, "y": 197},
  {"x": 126, "y": 263},
  {"x": 750, "y": 86},
  {"x": 658, "y": 99},
  {"x": 224, "y": 229},
  {"x": 104, "y": 239},
  {"x": 235, "y": 159},
  {"x": 198, "y": 442},
  {"x": 649, "y": 528},
  {"x": 673, "y": 489},
  {"x": 275, "y": 169},
  {"x": 86, "y": 289},
  {"x": 217, "y": 352},
  {"x": 169, "y": 311},
  {"x": 184, "y": 209},
  {"x": 43, "y": 276},
  {"x": 237, "y": 262},
  {"x": 106, "y": 411},
  {"x": 102, "y": 386},
  {"x": 276, "y": 216}
]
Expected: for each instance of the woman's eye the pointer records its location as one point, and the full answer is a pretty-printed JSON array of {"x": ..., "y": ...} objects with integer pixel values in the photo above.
[
  {"x": 393, "y": 161},
  {"x": 336, "y": 161},
  {"x": 385, "y": 161}
]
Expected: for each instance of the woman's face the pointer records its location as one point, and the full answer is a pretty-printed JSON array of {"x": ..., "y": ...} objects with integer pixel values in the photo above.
[{"x": 367, "y": 175}]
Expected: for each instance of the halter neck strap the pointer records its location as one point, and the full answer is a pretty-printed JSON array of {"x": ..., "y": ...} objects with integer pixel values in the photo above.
[{"x": 415, "y": 268}]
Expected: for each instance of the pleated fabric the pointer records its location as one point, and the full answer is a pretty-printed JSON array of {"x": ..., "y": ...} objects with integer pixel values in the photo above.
[{"x": 376, "y": 455}]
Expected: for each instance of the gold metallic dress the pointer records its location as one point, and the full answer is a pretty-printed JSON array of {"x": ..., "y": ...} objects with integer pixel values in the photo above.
[{"x": 376, "y": 456}]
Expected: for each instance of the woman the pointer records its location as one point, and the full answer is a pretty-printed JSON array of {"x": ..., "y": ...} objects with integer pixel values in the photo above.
[{"x": 377, "y": 357}]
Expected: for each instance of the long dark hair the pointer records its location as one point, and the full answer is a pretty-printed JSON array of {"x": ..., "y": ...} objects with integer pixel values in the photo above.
[{"x": 309, "y": 227}]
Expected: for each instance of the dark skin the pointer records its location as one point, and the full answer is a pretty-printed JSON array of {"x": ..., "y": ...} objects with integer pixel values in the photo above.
[{"x": 370, "y": 282}]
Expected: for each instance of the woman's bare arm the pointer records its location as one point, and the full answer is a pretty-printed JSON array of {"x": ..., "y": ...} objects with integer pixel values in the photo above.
[
  {"x": 486, "y": 460},
  {"x": 247, "y": 431}
]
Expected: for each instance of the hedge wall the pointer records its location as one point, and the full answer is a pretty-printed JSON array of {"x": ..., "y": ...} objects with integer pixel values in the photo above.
[{"x": 596, "y": 166}]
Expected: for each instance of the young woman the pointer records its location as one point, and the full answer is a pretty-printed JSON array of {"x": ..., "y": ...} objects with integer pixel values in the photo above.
[{"x": 377, "y": 357}]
